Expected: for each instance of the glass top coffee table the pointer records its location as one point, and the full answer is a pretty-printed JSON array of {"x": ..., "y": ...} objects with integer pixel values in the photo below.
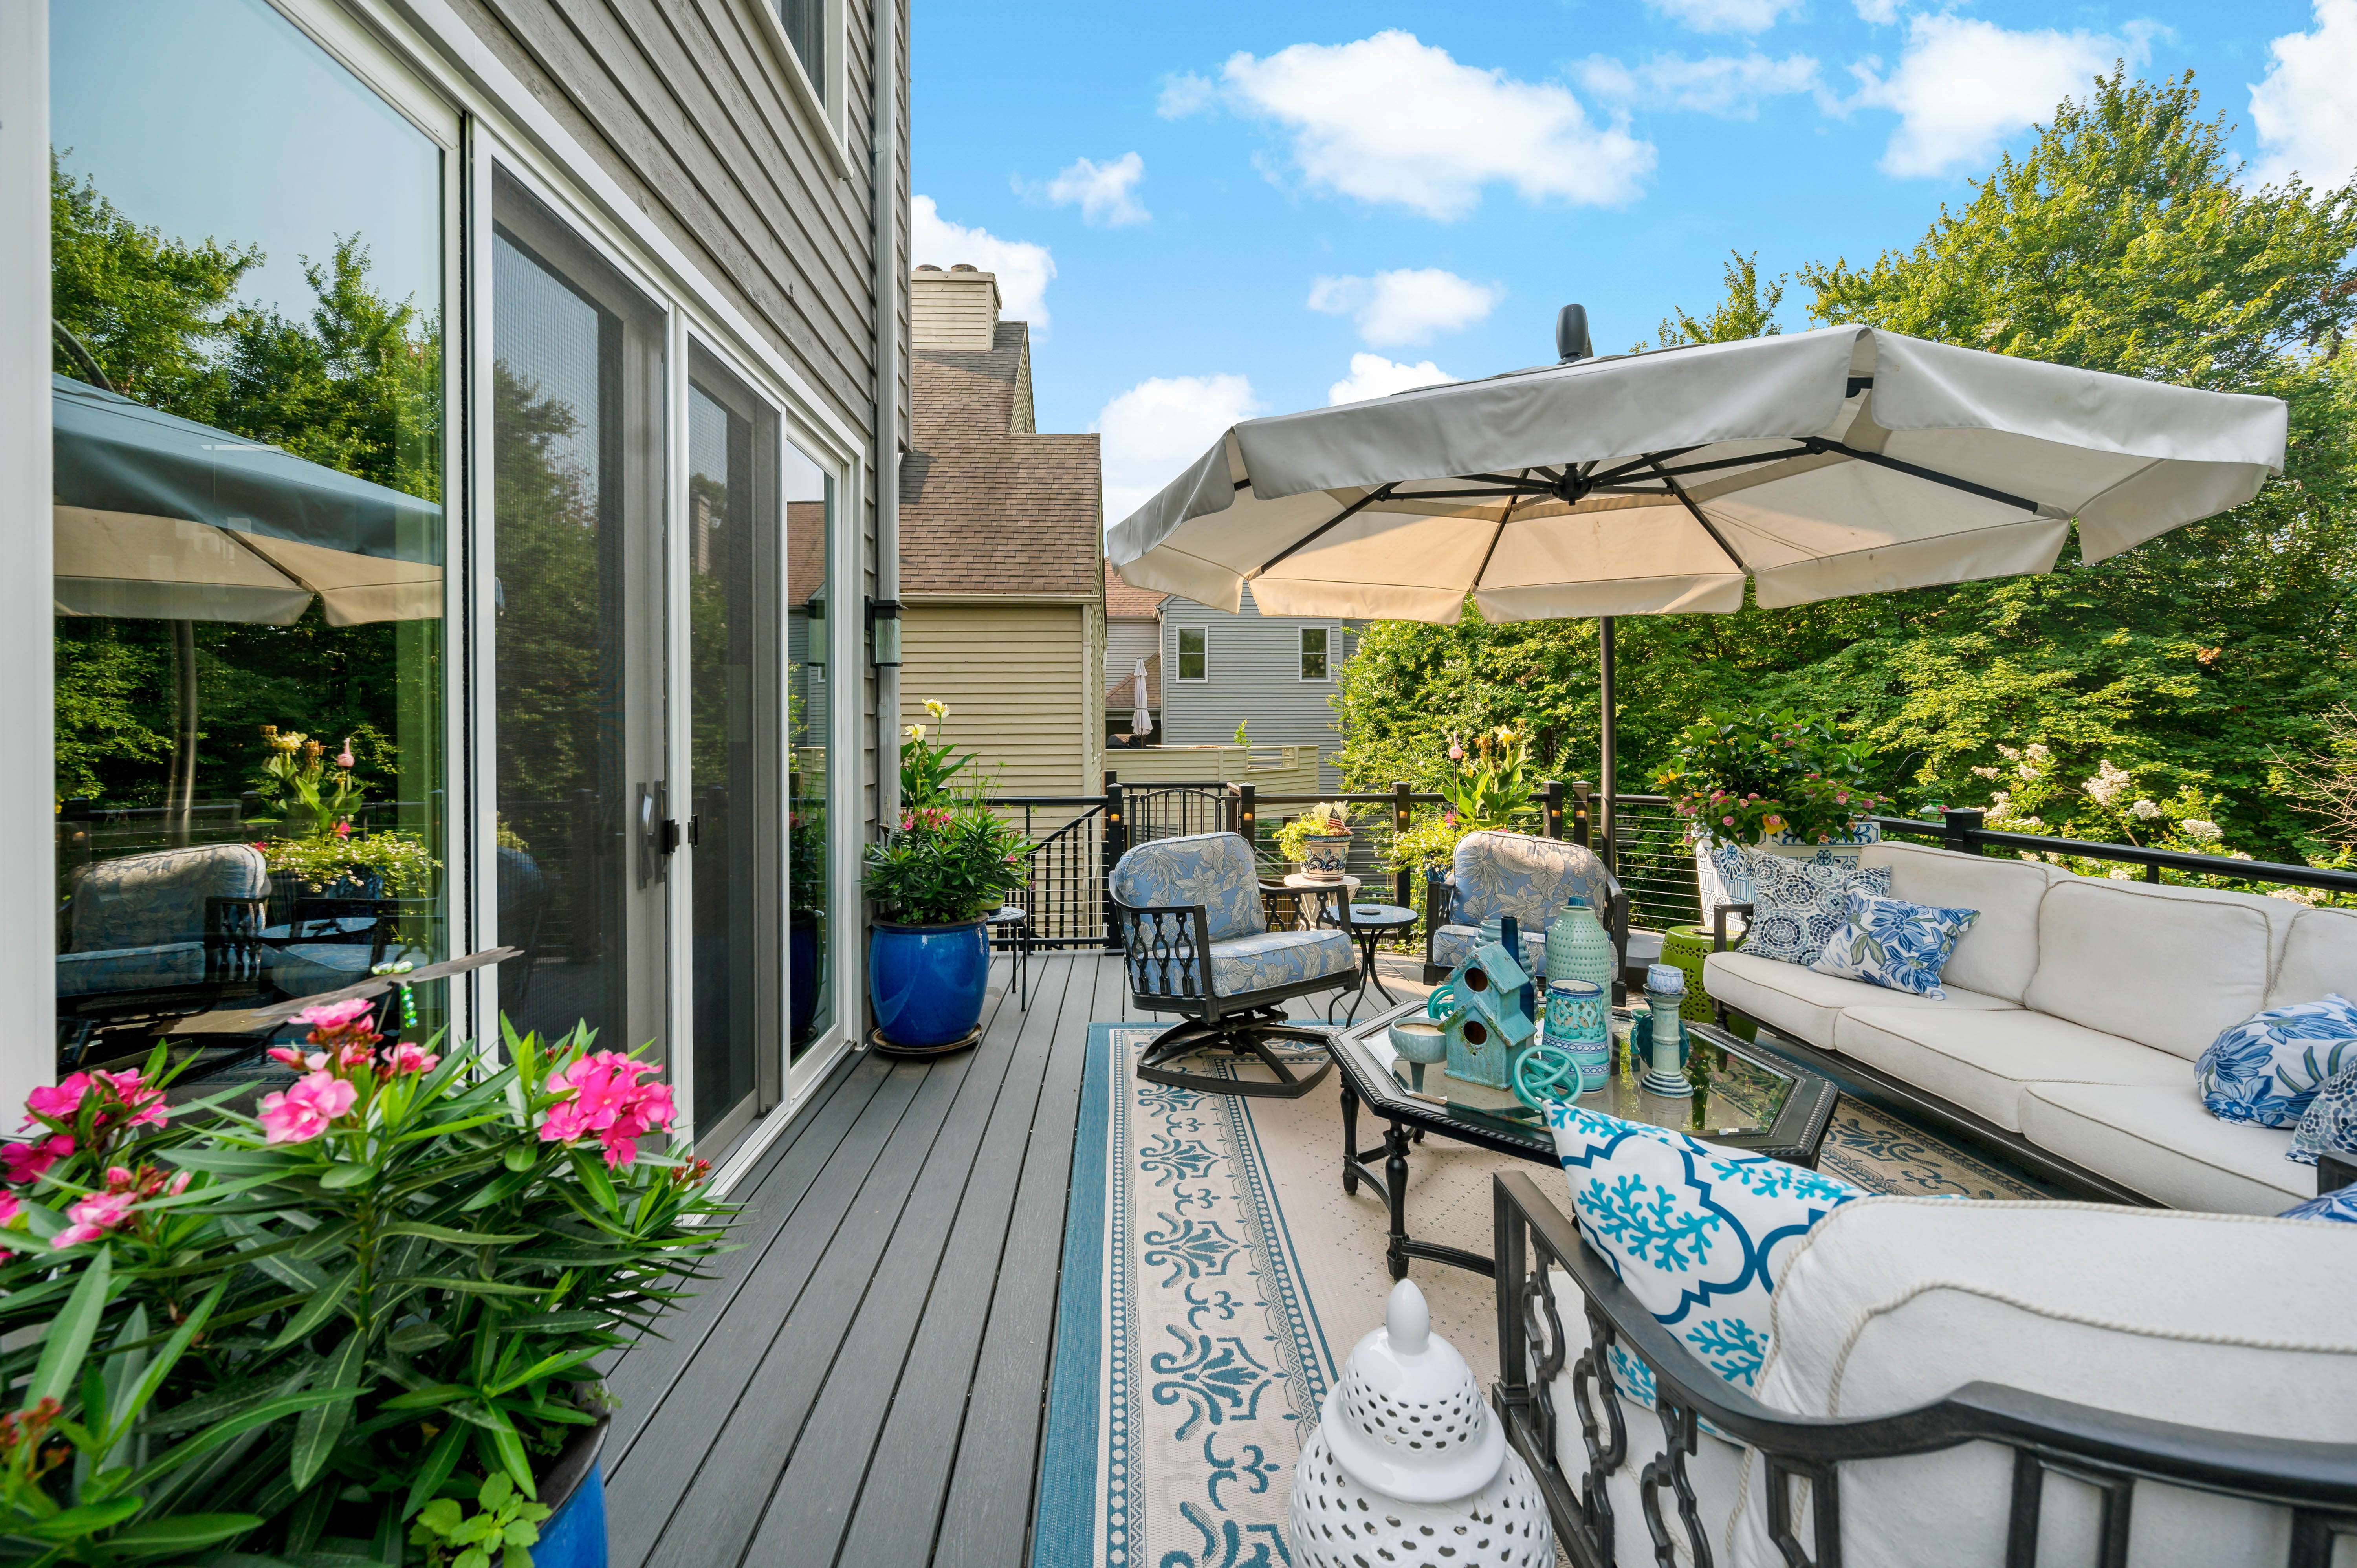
[{"x": 1746, "y": 1097}]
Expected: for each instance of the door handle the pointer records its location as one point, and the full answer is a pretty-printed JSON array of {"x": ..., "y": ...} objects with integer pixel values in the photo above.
[{"x": 658, "y": 832}]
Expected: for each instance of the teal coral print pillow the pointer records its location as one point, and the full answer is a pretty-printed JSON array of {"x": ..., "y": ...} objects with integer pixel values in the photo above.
[
  {"x": 1894, "y": 944},
  {"x": 1797, "y": 905},
  {"x": 2328, "y": 1125},
  {"x": 2266, "y": 1069},
  {"x": 1691, "y": 1229}
]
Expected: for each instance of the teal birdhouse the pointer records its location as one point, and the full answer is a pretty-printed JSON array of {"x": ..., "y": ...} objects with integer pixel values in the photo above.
[{"x": 1491, "y": 1021}]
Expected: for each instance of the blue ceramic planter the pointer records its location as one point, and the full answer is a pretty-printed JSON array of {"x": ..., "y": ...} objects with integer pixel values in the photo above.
[
  {"x": 926, "y": 982},
  {"x": 574, "y": 1535}
]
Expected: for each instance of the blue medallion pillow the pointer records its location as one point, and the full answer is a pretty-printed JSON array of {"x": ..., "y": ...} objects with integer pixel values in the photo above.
[
  {"x": 2341, "y": 1204},
  {"x": 1691, "y": 1229},
  {"x": 1895, "y": 944},
  {"x": 2266, "y": 1069},
  {"x": 1797, "y": 905},
  {"x": 2328, "y": 1125}
]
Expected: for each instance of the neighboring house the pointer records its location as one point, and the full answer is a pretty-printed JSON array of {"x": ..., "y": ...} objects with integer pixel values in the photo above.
[
  {"x": 1272, "y": 673},
  {"x": 1002, "y": 598},
  {"x": 580, "y": 429},
  {"x": 1132, "y": 632}
]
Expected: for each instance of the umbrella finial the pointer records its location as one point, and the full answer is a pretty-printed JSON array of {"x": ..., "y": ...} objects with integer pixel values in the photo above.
[{"x": 1571, "y": 333}]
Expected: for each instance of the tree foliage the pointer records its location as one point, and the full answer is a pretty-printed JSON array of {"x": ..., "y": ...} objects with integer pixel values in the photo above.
[{"x": 2125, "y": 240}]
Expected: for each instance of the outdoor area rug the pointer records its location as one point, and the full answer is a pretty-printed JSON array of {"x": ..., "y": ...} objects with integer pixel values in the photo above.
[{"x": 1215, "y": 1275}]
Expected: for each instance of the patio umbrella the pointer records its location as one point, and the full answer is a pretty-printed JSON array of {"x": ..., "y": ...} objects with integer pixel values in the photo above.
[
  {"x": 1141, "y": 717},
  {"x": 1817, "y": 465}
]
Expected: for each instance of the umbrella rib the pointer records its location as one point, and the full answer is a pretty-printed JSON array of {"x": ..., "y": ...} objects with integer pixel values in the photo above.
[
  {"x": 1821, "y": 444},
  {"x": 1495, "y": 534},
  {"x": 1380, "y": 493},
  {"x": 1707, "y": 526}
]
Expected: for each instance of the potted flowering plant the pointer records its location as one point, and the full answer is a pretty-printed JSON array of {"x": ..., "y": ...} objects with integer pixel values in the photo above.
[
  {"x": 1751, "y": 778},
  {"x": 318, "y": 849},
  {"x": 364, "y": 1316},
  {"x": 933, "y": 878},
  {"x": 1318, "y": 841}
]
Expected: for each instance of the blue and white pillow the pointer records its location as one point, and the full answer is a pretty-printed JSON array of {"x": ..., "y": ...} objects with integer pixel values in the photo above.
[
  {"x": 1691, "y": 1229},
  {"x": 1894, "y": 944},
  {"x": 2328, "y": 1125},
  {"x": 2341, "y": 1204},
  {"x": 2266, "y": 1069},
  {"x": 1797, "y": 905}
]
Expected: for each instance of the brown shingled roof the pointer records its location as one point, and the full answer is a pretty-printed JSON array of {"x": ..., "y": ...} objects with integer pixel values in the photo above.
[
  {"x": 984, "y": 509},
  {"x": 1125, "y": 603}
]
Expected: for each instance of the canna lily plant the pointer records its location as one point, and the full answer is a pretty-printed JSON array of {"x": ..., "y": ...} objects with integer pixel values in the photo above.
[{"x": 288, "y": 1334}]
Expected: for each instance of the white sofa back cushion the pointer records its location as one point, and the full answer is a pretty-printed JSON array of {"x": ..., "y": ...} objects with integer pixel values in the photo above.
[
  {"x": 2320, "y": 957},
  {"x": 1999, "y": 954},
  {"x": 2167, "y": 967},
  {"x": 2223, "y": 1322}
]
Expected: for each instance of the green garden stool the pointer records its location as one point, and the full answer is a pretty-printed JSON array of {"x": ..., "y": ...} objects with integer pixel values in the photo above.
[{"x": 1685, "y": 946}]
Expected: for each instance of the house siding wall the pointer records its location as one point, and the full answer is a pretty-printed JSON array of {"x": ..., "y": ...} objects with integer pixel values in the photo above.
[
  {"x": 1025, "y": 685},
  {"x": 1126, "y": 642},
  {"x": 1255, "y": 670}
]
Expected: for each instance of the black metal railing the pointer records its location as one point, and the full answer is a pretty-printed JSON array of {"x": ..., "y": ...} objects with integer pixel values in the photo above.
[
  {"x": 1064, "y": 872},
  {"x": 1965, "y": 830}
]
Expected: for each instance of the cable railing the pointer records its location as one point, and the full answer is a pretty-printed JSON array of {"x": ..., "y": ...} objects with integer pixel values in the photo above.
[{"x": 1966, "y": 830}]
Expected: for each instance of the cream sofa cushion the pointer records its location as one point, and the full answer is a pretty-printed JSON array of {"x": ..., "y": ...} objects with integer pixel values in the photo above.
[
  {"x": 1999, "y": 954},
  {"x": 1796, "y": 1000},
  {"x": 2216, "y": 1321},
  {"x": 2158, "y": 1139},
  {"x": 1981, "y": 1061},
  {"x": 2320, "y": 957},
  {"x": 2168, "y": 967}
]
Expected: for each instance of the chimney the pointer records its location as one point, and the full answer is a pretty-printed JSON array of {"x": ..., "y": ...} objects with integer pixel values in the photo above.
[{"x": 954, "y": 309}]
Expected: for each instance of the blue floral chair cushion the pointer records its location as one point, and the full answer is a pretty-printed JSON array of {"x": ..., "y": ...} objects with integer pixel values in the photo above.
[
  {"x": 2340, "y": 1203},
  {"x": 1691, "y": 1229},
  {"x": 1895, "y": 944},
  {"x": 1496, "y": 874},
  {"x": 137, "y": 923},
  {"x": 2328, "y": 1125},
  {"x": 1452, "y": 945},
  {"x": 1215, "y": 870},
  {"x": 159, "y": 967},
  {"x": 1797, "y": 905},
  {"x": 2266, "y": 1069}
]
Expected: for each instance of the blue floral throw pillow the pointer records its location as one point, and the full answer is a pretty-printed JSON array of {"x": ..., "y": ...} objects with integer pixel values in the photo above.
[
  {"x": 2328, "y": 1125},
  {"x": 1799, "y": 904},
  {"x": 1894, "y": 944},
  {"x": 2339, "y": 1205},
  {"x": 1691, "y": 1229},
  {"x": 2266, "y": 1069}
]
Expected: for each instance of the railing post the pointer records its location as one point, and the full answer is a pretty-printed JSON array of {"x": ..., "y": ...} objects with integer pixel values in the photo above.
[
  {"x": 1401, "y": 805},
  {"x": 1552, "y": 789},
  {"x": 1957, "y": 826},
  {"x": 1247, "y": 816},
  {"x": 1582, "y": 796},
  {"x": 1116, "y": 840}
]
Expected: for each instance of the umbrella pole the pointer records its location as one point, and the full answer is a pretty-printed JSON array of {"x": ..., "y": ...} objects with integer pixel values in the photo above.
[
  {"x": 180, "y": 794},
  {"x": 1607, "y": 814}
]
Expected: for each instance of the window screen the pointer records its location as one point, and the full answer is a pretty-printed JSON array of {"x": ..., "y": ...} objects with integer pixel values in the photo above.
[{"x": 1192, "y": 663}]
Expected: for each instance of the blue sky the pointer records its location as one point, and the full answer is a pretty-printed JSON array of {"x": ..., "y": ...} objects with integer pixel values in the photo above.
[{"x": 1217, "y": 209}]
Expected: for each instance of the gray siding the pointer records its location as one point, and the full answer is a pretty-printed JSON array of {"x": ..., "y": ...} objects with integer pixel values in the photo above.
[{"x": 1254, "y": 675}]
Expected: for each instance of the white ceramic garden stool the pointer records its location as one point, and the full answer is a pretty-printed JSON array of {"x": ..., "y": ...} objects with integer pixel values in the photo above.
[{"x": 1408, "y": 1467}]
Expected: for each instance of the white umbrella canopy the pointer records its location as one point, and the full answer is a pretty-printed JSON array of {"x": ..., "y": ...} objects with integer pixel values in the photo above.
[
  {"x": 1141, "y": 717},
  {"x": 1819, "y": 465}
]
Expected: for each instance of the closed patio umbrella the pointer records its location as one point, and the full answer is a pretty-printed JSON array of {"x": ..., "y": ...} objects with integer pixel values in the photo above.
[
  {"x": 1818, "y": 464},
  {"x": 1141, "y": 716}
]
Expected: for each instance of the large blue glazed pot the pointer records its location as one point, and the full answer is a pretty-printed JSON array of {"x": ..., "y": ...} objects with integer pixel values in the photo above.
[
  {"x": 926, "y": 982},
  {"x": 574, "y": 1535}
]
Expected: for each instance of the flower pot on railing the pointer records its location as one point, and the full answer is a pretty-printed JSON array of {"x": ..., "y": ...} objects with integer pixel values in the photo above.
[
  {"x": 1324, "y": 859},
  {"x": 573, "y": 1486},
  {"x": 927, "y": 983}
]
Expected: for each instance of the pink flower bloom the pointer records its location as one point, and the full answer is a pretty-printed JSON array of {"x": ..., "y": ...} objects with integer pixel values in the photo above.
[
  {"x": 407, "y": 1057},
  {"x": 30, "y": 1162},
  {"x": 11, "y": 1206},
  {"x": 304, "y": 1110},
  {"x": 57, "y": 1101},
  {"x": 344, "y": 830},
  {"x": 564, "y": 1123},
  {"x": 336, "y": 1015},
  {"x": 344, "y": 757},
  {"x": 94, "y": 1216},
  {"x": 302, "y": 1061},
  {"x": 1729, "y": 821}
]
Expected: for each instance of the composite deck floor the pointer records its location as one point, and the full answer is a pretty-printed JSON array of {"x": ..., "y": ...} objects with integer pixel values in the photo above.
[{"x": 863, "y": 1382}]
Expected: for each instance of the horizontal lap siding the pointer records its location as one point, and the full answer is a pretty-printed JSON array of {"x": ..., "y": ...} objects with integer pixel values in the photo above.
[
  {"x": 1254, "y": 668},
  {"x": 1017, "y": 678}
]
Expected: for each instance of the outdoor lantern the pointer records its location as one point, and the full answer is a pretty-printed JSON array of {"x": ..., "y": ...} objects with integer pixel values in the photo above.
[
  {"x": 814, "y": 649},
  {"x": 1408, "y": 1467},
  {"x": 884, "y": 633}
]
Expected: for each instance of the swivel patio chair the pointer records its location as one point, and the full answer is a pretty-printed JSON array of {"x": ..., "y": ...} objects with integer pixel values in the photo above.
[
  {"x": 1195, "y": 940},
  {"x": 157, "y": 936}
]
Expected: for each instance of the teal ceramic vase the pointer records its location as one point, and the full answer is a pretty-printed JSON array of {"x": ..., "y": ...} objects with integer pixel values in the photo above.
[
  {"x": 1579, "y": 1025},
  {"x": 1579, "y": 947}
]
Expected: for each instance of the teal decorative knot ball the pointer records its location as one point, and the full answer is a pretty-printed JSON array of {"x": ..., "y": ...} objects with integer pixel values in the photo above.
[{"x": 1546, "y": 1075}]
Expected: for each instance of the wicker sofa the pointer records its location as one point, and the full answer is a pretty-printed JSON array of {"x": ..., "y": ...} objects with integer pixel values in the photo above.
[{"x": 2075, "y": 1008}]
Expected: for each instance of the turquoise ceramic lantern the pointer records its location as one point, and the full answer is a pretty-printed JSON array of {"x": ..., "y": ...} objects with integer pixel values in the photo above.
[
  {"x": 1579, "y": 947},
  {"x": 1579, "y": 1025}
]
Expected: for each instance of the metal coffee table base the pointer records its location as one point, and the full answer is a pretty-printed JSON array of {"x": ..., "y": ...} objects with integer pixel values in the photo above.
[{"x": 1397, "y": 1135}]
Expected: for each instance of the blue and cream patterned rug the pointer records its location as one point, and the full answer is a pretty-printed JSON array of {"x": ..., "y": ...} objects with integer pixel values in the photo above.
[{"x": 1215, "y": 1275}]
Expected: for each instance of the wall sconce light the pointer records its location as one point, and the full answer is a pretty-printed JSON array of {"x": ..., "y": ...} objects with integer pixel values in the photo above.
[
  {"x": 884, "y": 633},
  {"x": 814, "y": 649}
]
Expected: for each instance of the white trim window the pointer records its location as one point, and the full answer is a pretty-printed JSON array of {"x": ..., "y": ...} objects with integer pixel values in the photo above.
[
  {"x": 812, "y": 44},
  {"x": 1194, "y": 652},
  {"x": 1317, "y": 647}
]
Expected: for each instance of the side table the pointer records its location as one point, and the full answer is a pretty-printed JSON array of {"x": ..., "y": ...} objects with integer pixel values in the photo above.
[{"x": 1371, "y": 923}]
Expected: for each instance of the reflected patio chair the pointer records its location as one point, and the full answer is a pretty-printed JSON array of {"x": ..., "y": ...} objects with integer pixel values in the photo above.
[
  {"x": 329, "y": 943},
  {"x": 159, "y": 935},
  {"x": 1195, "y": 940}
]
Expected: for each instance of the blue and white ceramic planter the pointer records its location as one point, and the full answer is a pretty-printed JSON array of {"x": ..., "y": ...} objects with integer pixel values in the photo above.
[
  {"x": 1579, "y": 1024},
  {"x": 926, "y": 982},
  {"x": 1326, "y": 858}
]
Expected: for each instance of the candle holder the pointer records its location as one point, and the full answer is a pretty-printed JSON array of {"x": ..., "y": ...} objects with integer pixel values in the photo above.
[{"x": 1665, "y": 995}]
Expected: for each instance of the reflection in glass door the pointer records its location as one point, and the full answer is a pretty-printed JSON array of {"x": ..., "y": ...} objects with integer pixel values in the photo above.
[
  {"x": 810, "y": 596},
  {"x": 585, "y": 814},
  {"x": 732, "y": 653}
]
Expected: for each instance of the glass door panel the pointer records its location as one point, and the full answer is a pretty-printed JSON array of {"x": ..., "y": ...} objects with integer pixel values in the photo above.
[
  {"x": 576, "y": 550},
  {"x": 810, "y": 604},
  {"x": 733, "y": 669}
]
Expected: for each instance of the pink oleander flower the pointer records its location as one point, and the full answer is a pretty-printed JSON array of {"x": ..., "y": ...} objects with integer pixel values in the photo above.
[
  {"x": 302, "y": 1061},
  {"x": 604, "y": 1096},
  {"x": 408, "y": 1058},
  {"x": 30, "y": 1162},
  {"x": 305, "y": 1110},
  {"x": 94, "y": 1216},
  {"x": 336, "y": 1015},
  {"x": 344, "y": 829},
  {"x": 62, "y": 1102}
]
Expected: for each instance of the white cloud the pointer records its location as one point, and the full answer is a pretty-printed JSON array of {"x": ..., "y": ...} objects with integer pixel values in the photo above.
[
  {"x": 1185, "y": 93},
  {"x": 1964, "y": 85},
  {"x": 1106, "y": 193},
  {"x": 1371, "y": 375},
  {"x": 1879, "y": 12},
  {"x": 2305, "y": 109},
  {"x": 1022, "y": 267},
  {"x": 1726, "y": 15},
  {"x": 1731, "y": 86},
  {"x": 1158, "y": 426},
  {"x": 1391, "y": 120},
  {"x": 1405, "y": 306}
]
